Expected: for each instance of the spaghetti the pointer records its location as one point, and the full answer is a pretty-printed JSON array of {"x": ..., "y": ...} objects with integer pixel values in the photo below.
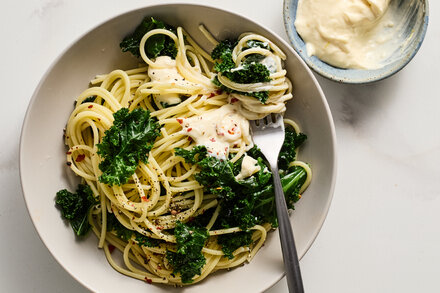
[{"x": 163, "y": 191}]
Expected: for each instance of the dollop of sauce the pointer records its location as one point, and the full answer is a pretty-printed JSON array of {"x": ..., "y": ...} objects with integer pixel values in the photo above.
[
  {"x": 249, "y": 166},
  {"x": 346, "y": 33},
  {"x": 270, "y": 64},
  {"x": 218, "y": 130},
  {"x": 165, "y": 70}
]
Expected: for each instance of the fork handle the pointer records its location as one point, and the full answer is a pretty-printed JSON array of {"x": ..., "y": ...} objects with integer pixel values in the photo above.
[{"x": 290, "y": 256}]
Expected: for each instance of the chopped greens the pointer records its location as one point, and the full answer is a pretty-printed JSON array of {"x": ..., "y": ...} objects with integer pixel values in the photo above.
[
  {"x": 292, "y": 183},
  {"x": 188, "y": 260},
  {"x": 248, "y": 202},
  {"x": 292, "y": 141},
  {"x": 231, "y": 242},
  {"x": 250, "y": 71},
  {"x": 262, "y": 96},
  {"x": 253, "y": 58},
  {"x": 75, "y": 207},
  {"x": 126, "y": 143},
  {"x": 192, "y": 156},
  {"x": 222, "y": 54},
  {"x": 242, "y": 202},
  {"x": 156, "y": 45}
]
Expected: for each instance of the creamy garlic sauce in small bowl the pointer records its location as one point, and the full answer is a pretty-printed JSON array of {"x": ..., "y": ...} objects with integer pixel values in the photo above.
[{"x": 356, "y": 41}]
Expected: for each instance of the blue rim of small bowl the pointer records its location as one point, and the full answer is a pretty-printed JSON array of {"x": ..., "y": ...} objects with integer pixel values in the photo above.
[{"x": 350, "y": 76}]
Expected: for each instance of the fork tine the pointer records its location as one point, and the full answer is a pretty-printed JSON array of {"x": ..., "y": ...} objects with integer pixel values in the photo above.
[
  {"x": 272, "y": 120},
  {"x": 269, "y": 119},
  {"x": 278, "y": 119}
]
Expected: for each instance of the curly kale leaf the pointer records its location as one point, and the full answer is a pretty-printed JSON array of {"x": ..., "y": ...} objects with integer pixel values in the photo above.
[
  {"x": 251, "y": 73},
  {"x": 222, "y": 54},
  {"x": 251, "y": 70},
  {"x": 188, "y": 260},
  {"x": 261, "y": 96},
  {"x": 292, "y": 141},
  {"x": 126, "y": 234},
  {"x": 156, "y": 45},
  {"x": 231, "y": 242},
  {"x": 192, "y": 156},
  {"x": 245, "y": 203},
  {"x": 75, "y": 207},
  {"x": 253, "y": 58},
  {"x": 126, "y": 143},
  {"x": 292, "y": 183},
  {"x": 241, "y": 201}
]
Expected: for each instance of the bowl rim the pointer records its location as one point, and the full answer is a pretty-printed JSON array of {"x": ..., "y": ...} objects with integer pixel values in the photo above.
[
  {"x": 54, "y": 62},
  {"x": 290, "y": 29}
]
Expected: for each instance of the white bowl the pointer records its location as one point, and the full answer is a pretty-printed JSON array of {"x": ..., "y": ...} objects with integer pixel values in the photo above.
[{"x": 42, "y": 152}]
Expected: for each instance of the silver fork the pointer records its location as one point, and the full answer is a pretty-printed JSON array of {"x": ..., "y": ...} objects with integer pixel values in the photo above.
[{"x": 268, "y": 135}]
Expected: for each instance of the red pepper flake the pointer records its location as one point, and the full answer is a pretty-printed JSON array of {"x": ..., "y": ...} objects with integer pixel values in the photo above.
[
  {"x": 69, "y": 153},
  {"x": 212, "y": 139},
  {"x": 233, "y": 100},
  {"x": 159, "y": 228},
  {"x": 226, "y": 149},
  {"x": 111, "y": 248},
  {"x": 90, "y": 107},
  {"x": 189, "y": 129},
  {"x": 69, "y": 164},
  {"x": 231, "y": 132},
  {"x": 180, "y": 120},
  {"x": 190, "y": 138},
  {"x": 218, "y": 92},
  {"x": 159, "y": 267},
  {"x": 211, "y": 95},
  {"x": 80, "y": 158},
  {"x": 149, "y": 281}
]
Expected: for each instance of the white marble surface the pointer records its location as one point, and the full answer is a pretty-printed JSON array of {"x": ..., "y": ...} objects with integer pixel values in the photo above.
[{"x": 382, "y": 233}]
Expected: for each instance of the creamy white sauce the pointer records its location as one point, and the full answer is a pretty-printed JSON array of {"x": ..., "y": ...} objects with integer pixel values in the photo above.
[
  {"x": 347, "y": 33},
  {"x": 249, "y": 166},
  {"x": 165, "y": 70},
  {"x": 270, "y": 64},
  {"x": 218, "y": 130}
]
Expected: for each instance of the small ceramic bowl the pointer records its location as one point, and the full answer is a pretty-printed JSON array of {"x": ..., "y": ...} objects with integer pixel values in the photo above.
[{"x": 415, "y": 20}]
